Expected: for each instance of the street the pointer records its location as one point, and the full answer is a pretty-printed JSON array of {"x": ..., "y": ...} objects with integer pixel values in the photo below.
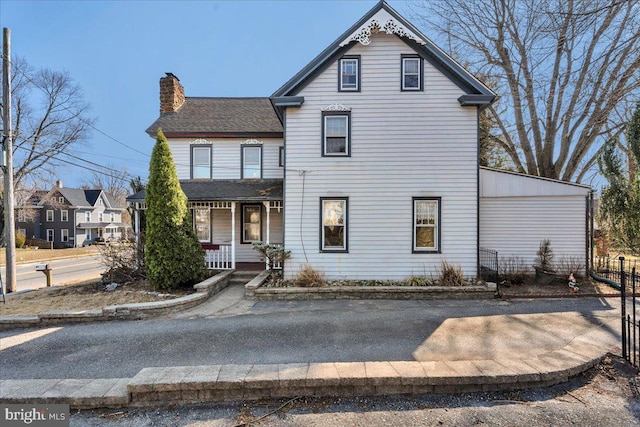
[
  {"x": 65, "y": 271},
  {"x": 302, "y": 331}
]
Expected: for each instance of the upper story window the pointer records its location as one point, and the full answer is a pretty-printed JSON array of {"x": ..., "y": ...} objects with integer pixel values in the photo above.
[
  {"x": 113, "y": 217},
  {"x": 64, "y": 216},
  {"x": 333, "y": 229},
  {"x": 251, "y": 161},
  {"x": 87, "y": 216},
  {"x": 61, "y": 199},
  {"x": 100, "y": 216},
  {"x": 336, "y": 133},
  {"x": 426, "y": 225},
  {"x": 100, "y": 201},
  {"x": 349, "y": 69},
  {"x": 22, "y": 215},
  {"x": 49, "y": 216},
  {"x": 201, "y": 161},
  {"x": 411, "y": 73},
  {"x": 281, "y": 157}
]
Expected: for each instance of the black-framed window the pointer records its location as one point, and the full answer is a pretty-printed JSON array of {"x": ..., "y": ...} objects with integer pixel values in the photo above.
[
  {"x": 336, "y": 133},
  {"x": 251, "y": 223},
  {"x": 202, "y": 224},
  {"x": 281, "y": 156},
  {"x": 349, "y": 74},
  {"x": 334, "y": 224},
  {"x": 251, "y": 161},
  {"x": 426, "y": 224},
  {"x": 412, "y": 75},
  {"x": 201, "y": 161}
]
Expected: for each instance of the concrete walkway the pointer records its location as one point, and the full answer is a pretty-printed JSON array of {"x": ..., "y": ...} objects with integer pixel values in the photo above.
[{"x": 481, "y": 353}]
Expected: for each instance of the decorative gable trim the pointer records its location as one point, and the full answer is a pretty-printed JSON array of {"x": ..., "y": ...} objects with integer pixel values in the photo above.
[
  {"x": 199, "y": 141},
  {"x": 252, "y": 142},
  {"x": 389, "y": 21},
  {"x": 381, "y": 22},
  {"x": 336, "y": 107}
]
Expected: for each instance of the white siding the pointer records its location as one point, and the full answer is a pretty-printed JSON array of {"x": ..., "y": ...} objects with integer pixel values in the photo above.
[
  {"x": 515, "y": 226},
  {"x": 517, "y": 212},
  {"x": 404, "y": 145},
  {"x": 226, "y": 157}
]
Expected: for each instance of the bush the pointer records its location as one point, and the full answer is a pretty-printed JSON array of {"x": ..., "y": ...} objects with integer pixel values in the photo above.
[
  {"x": 450, "y": 274},
  {"x": 307, "y": 277},
  {"x": 20, "y": 239},
  {"x": 124, "y": 262},
  {"x": 544, "y": 257},
  {"x": 274, "y": 254},
  {"x": 416, "y": 281},
  {"x": 514, "y": 269}
]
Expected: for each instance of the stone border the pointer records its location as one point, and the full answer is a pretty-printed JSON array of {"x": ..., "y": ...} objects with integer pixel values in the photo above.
[
  {"x": 134, "y": 311},
  {"x": 254, "y": 291}
]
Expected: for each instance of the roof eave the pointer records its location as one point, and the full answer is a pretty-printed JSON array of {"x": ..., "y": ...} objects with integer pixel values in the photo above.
[{"x": 476, "y": 100}]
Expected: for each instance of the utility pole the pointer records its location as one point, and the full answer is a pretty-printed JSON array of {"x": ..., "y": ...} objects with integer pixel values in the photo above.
[{"x": 7, "y": 148}]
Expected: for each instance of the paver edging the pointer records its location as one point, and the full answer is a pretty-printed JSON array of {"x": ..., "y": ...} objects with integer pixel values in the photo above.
[
  {"x": 133, "y": 311},
  {"x": 371, "y": 292}
]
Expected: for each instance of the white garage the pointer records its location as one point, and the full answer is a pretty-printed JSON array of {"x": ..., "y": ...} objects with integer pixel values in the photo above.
[{"x": 518, "y": 211}]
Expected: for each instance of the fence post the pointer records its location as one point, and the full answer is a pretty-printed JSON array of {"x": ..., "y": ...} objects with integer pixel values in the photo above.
[
  {"x": 623, "y": 306},
  {"x": 635, "y": 325}
]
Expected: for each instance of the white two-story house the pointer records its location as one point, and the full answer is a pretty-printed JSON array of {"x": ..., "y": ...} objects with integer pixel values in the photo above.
[{"x": 364, "y": 164}]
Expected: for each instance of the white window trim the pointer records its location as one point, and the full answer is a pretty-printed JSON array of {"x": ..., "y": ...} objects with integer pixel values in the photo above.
[
  {"x": 112, "y": 216},
  {"x": 87, "y": 216},
  {"x": 100, "y": 217},
  {"x": 51, "y": 232},
  {"x": 64, "y": 238},
  {"x": 64, "y": 215}
]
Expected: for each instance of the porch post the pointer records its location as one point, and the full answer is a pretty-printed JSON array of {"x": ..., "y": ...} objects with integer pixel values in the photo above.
[
  {"x": 268, "y": 206},
  {"x": 233, "y": 235}
]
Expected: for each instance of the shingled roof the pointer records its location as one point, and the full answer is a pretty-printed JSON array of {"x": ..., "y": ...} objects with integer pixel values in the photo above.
[
  {"x": 220, "y": 117},
  {"x": 226, "y": 190}
]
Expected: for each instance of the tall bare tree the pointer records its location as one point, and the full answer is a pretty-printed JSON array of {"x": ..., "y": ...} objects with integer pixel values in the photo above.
[
  {"x": 50, "y": 117},
  {"x": 563, "y": 69}
]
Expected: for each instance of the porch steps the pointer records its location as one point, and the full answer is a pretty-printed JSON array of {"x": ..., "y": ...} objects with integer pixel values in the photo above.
[{"x": 243, "y": 277}]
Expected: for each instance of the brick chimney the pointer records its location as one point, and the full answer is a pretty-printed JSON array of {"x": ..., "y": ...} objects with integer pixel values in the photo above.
[{"x": 171, "y": 93}]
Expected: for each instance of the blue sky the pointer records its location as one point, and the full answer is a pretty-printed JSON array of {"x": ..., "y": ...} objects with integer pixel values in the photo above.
[{"x": 118, "y": 50}]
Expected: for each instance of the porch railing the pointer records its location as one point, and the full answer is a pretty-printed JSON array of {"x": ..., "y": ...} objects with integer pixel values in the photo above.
[{"x": 218, "y": 257}]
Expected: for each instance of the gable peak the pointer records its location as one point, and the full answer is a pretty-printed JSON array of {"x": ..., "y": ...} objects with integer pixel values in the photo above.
[{"x": 381, "y": 22}]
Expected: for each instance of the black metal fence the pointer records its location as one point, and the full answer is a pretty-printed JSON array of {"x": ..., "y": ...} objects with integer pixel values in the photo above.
[
  {"x": 625, "y": 274},
  {"x": 489, "y": 265},
  {"x": 630, "y": 325}
]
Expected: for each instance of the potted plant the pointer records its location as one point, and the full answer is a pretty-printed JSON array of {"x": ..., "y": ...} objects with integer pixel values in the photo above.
[{"x": 544, "y": 263}]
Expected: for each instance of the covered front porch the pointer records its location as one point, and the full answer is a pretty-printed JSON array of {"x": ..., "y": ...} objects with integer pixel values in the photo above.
[{"x": 228, "y": 228}]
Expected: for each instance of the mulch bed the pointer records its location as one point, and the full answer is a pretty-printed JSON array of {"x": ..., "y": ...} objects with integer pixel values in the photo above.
[{"x": 557, "y": 288}]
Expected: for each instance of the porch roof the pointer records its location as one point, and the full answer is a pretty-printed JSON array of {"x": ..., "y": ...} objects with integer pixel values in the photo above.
[{"x": 228, "y": 190}]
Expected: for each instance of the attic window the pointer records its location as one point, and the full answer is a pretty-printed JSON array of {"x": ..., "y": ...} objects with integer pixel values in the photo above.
[
  {"x": 100, "y": 201},
  {"x": 61, "y": 199},
  {"x": 349, "y": 74},
  {"x": 411, "y": 73}
]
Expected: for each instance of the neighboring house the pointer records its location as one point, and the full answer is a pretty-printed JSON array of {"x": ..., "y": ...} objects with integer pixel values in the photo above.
[
  {"x": 364, "y": 164},
  {"x": 71, "y": 217}
]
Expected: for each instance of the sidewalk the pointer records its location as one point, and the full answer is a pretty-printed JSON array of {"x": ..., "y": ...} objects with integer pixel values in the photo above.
[{"x": 484, "y": 353}]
